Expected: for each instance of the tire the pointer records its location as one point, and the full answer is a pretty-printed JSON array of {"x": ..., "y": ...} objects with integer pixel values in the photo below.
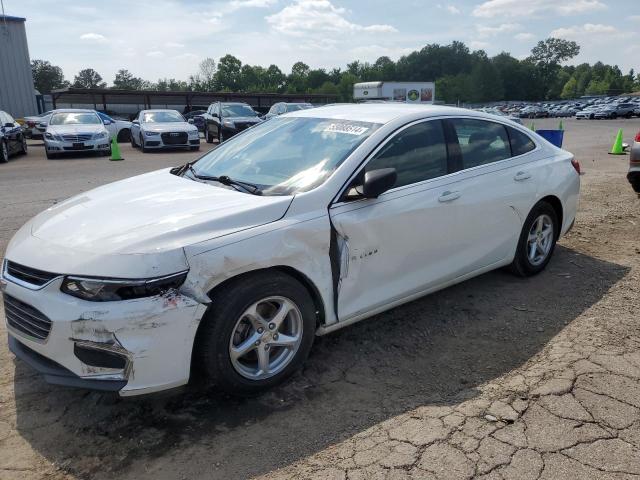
[
  {"x": 613, "y": 116},
  {"x": 124, "y": 135},
  {"x": 220, "y": 136},
  {"x": 194, "y": 149},
  {"x": 4, "y": 152},
  {"x": 523, "y": 264},
  {"x": 207, "y": 135},
  {"x": 225, "y": 326},
  {"x": 23, "y": 146},
  {"x": 133, "y": 141},
  {"x": 50, "y": 156}
]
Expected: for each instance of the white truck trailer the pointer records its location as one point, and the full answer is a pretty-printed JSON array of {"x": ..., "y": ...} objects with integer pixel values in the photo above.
[{"x": 410, "y": 92}]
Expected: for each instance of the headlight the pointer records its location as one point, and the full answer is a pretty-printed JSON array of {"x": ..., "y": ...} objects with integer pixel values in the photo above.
[
  {"x": 51, "y": 136},
  {"x": 100, "y": 135},
  {"x": 193, "y": 133},
  {"x": 151, "y": 134},
  {"x": 110, "y": 290},
  {"x": 228, "y": 123}
]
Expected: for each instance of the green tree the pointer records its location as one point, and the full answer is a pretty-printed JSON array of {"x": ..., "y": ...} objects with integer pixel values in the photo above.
[
  {"x": 125, "y": 80},
  {"x": 229, "y": 74},
  {"x": 547, "y": 56},
  {"x": 47, "y": 77},
  {"x": 570, "y": 89},
  {"x": 88, "y": 78}
]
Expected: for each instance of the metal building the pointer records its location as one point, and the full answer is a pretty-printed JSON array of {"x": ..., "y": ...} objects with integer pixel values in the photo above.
[{"x": 17, "y": 94}]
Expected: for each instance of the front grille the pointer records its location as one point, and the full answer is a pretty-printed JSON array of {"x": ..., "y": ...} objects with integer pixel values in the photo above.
[
  {"x": 26, "y": 319},
  {"x": 81, "y": 137},
  {"x": 243, "y": 126},
  {"x": 174, "y": 138},
  {"x": 28, "y": 274}
]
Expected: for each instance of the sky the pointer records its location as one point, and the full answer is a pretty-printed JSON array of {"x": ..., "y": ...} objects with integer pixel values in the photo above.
[{"x": 168, "y": 38}]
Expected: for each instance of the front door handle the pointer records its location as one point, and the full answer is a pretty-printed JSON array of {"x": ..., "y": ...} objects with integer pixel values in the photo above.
[
  {"x": 520, "y": 176},
  {"x": 448, "y": 196}
]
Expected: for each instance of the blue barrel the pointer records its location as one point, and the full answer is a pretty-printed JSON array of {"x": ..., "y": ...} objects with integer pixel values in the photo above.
[{"x": 552, "y": 136}]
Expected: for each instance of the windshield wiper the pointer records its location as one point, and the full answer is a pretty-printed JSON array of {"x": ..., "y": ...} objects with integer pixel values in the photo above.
[{"x": 224, "y": 180}]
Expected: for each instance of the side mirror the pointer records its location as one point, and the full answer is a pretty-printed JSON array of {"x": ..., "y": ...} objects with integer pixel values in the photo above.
[
  {"x": 107, "y": 122},
  {"x": 135, "y": 122},
  {"x": 190, "y": 121},
  {"x": 376, "y": 182},
  {"x": 41, "y": 126},
  {"x": 215, "y": 115}
]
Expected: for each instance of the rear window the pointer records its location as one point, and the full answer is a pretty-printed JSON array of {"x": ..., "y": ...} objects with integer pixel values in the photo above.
[
  {"x": 481, "y": 142},
  {"x": 520, "y": 142}
]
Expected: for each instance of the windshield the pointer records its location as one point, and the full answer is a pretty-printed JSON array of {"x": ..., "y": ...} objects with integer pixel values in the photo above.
[
  {"x": 238, "y": 110},
  {"x": 292, "y": 107},
  {"x": 75, "y": 118},
  {"x": 286, "y": 155},
  {"x": 164, "y": 116}
]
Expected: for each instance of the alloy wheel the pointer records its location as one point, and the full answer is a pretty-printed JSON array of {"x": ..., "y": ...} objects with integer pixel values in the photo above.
[
  {"x": 266, "y": 338},
  {"x": 4, "y": 152},
  {"x": 540, "y": 239}
]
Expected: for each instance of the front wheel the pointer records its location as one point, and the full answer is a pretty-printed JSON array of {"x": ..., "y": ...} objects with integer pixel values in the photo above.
[
  {"x": 23, "y": 146},
  {"x": 207, "y": 135},
  {"x": 537, "y": 241},
  {"x": 4, "y": 152},
  {"x": 258, "y": 332}
]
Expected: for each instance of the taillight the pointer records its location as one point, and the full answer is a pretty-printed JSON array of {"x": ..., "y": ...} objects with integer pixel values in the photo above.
[
  {"x": 31, "y": 124},
  {"x": 576, "y": 165},
  {"x": 637, "y": 137}
]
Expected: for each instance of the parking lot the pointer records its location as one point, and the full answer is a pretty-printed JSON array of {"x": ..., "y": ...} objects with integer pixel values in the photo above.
[{"x": 497, "y": 377}]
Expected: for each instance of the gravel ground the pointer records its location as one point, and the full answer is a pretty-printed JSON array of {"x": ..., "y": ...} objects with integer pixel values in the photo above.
[{"x": 495, "y": 378}]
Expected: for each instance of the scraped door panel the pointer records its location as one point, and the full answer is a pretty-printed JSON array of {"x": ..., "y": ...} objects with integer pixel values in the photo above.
[{"x": 401, "y": 243}]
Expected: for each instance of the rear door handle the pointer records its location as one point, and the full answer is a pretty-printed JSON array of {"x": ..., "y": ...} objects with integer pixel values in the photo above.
[
  {"x": 448, "y": 196},
  {"x": 520, "y": 176}
]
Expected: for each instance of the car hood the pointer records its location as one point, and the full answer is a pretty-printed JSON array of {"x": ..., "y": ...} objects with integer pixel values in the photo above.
[
  {"x": 167, "y": 127},
  {"x": 75, "y": 129},
  {"x": 151, "y": 213}
]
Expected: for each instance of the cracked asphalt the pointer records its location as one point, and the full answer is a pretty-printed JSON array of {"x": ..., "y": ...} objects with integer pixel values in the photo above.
[{"x": 494, "y": 378}]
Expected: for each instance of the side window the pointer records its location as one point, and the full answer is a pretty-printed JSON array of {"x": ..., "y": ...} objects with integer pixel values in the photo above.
[
  {"x": 3, "y": 119},
  {"x": 520, "y": 142},
  {"x": 273, "y": 109},
  {"x": 282, "y": 108},
  {"x": 9, "y": 118},
  {"x": 417, "y": 153},
  {"x": 481, "y": 142}
]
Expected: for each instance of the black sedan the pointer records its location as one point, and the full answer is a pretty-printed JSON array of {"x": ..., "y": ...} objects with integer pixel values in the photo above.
[
  {"x": 223, "y": 120},
  {"x": 12, "y": 138}
]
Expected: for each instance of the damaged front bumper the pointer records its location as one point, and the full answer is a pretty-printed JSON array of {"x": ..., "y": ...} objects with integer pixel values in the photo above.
[{"x": 134, "y": 347}]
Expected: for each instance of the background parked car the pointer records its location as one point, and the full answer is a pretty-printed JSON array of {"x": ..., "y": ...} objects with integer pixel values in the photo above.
[
  {"x": 12, "y": 137},
  {"x": 284, "y": 107},
  {"x": 587, "y": 114},
  {"x": 120, "y": 129},
  {"x": 615, "y": 111},
  {"x": 32, "y": 122},
  {"x": 75, "y": 130},
  {"x": 223, "y": 120},
  {"x": 157, "y": 129},
  {"x": 195, "y": 117}
]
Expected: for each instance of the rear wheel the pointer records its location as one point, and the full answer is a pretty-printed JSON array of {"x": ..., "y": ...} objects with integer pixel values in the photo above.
[
  {"x": 4, "y": 152},
  {"x": 124, "y": 135},
  {"x": 537, "y": 241},
  {"x": 259, "y": 331}
]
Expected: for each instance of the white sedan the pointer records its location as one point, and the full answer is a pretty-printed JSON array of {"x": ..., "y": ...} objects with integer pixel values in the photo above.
[
  {"x": 157, "y": 129},
  {"x": 75, "y": 130},
  {"x": 297, "y": 227}
]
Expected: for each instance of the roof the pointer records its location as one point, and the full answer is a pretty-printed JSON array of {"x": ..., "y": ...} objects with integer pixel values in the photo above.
[
  {"x": 73, "y": 110},
  {"x": 379, "y": 112},
  {"x": 9, "y": 18}
]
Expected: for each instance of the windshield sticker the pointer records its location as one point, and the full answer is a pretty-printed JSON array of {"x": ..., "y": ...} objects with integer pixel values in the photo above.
[{"x": 346, "y": 128}]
